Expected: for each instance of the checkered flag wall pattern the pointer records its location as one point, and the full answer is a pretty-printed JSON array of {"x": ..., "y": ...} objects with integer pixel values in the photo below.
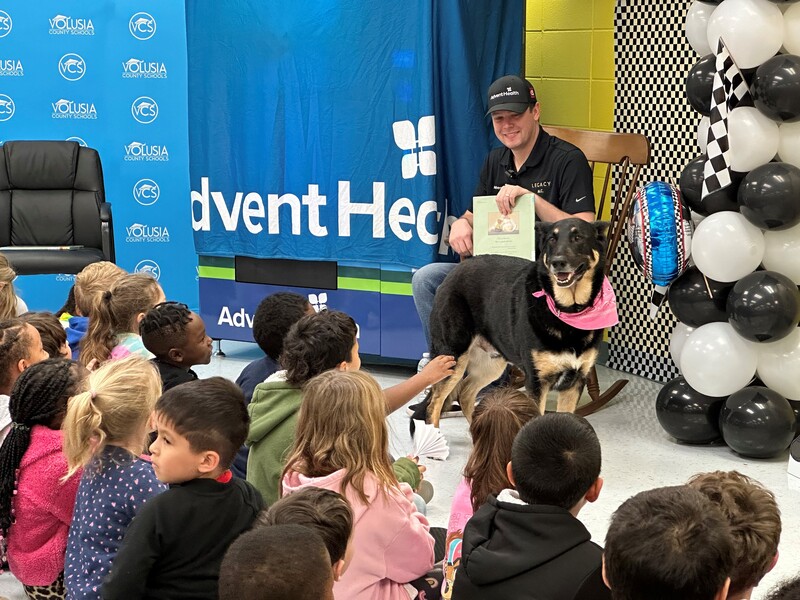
[
  {"x": 652, "y": 58},
  {"x": 729, "y": 91}
]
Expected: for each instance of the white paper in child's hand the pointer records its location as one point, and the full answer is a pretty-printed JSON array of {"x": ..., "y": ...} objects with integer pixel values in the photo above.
[{"x": 429, "y": 442}]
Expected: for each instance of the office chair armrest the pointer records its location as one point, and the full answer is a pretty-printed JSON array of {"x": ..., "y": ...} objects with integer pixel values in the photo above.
[
  {"x": 105, "y": 212},
  {"x": 107, "y": 232}
]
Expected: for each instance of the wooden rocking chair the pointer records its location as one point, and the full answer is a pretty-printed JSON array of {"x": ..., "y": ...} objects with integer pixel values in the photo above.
[{"x": 619, "y": 156}]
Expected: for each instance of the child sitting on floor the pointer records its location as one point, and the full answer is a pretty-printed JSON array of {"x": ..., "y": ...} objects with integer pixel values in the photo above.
[
  {"x": 177, "y": 337},
  {"x": 342, "y": 444},
  {"x": 114, "y": 326},
  {"x": 175, "y": 545},
  {"x": 54, "y": 338},
  {"x": 325, "y": 511},
  {"x": 36, "y": 496},
  {"x": 11, "y": 305},
  {"x": 105, "y": 433}
]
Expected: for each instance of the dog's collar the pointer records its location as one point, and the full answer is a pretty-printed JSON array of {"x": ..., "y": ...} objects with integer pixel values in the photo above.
[{"x": 600, "y": 315}]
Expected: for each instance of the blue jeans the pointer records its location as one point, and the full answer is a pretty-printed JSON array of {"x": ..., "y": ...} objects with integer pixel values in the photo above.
[{"x": 424, "y": 283}]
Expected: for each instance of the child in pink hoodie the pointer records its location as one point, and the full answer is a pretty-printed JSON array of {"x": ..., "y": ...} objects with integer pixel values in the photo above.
[
  {"x": 342, "y": 444},
  {"x": 497, "y": 419},
  {"x": 36, "y": 500}
]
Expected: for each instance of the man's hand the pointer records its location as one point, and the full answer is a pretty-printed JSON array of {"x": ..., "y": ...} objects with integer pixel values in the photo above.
[
  {"x": 461, "y": 237},
  {"x": 507, "y": 197}
]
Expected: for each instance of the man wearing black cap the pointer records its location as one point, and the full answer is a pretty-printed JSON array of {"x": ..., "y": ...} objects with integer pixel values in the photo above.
[{"x": 530, "y": 160}]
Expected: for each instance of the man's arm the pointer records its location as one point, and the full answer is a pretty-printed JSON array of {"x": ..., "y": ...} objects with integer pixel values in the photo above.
[{"x": 507, "y": 199}]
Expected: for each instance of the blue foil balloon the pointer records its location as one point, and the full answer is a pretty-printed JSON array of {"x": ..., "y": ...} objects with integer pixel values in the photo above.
[{"x": 660, "y": 232}]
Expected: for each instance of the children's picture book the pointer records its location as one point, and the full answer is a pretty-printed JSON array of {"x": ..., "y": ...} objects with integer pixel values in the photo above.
[{"x": 510, "y": 235}]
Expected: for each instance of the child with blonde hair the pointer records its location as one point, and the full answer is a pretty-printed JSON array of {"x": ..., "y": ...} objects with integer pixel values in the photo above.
[
  {"x": 35, "y": 501},
  {"x": 342, "y": 444},
  {"x": 496, "y": 422},
  {"x": 105, "y": 432},
  {"x": 114, "y": 326},
  {"x": 11, "y": 305},
  {"x": 90, "y": 283}
]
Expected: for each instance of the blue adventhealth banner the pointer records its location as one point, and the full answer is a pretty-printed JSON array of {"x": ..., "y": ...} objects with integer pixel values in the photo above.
[
  {"x": 110, "y": 74},
  {"x": 340, "y": 129}
]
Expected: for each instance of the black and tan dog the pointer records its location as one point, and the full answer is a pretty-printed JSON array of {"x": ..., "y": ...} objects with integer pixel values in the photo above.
[{"x": 490, "y": 311}]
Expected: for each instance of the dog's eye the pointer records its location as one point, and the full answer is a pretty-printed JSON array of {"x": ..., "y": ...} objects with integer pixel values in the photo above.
[{"x": 551, "y": 240}]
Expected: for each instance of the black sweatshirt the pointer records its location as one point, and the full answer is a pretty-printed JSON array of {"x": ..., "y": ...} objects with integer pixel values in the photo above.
[{"x": 175, "y": 544}]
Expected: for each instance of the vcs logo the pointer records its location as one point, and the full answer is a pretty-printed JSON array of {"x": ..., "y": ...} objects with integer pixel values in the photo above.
[
  {"x": 72, "y": 67},
  {"x": 142, "y": 26},
  {"x": 150, "y": 267},
  {"x": 5, "y": 23},
  {"x": 7, "y": 107},
  {"x": 146, "y": 192},
  {"x": 144, "y": 109}
]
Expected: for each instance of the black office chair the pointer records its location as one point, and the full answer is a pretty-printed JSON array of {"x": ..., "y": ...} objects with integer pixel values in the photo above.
[{"x": 53, "y": 213}]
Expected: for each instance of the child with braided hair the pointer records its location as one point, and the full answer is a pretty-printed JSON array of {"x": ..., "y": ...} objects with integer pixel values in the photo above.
[
  {"x": 105, "y": 433},
  {"x": 177, "y": 337},
  {"x": 36, "y": 500},
  {"x": 114, "y": 326}
]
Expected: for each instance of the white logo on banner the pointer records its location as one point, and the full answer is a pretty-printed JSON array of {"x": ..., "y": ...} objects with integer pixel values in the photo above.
[
  {"x": 148, "y": 266},
  {"x": 139, "y": 151},
  {"x": 144, "y": 109},
  {"x": 75, "y": 138},
  {"x": 136, "y": 68},
  {"x": 146, "y": 192},
  {"x": 142, "y": 26},
  {"x": 406, "y": 138},
  {"x": 5, "y": 23},
  {"x": 318, "y": 301},
  {"x": 11, "y": 67},
  {"x": 65, "y": 277},
  {"x": 146, "y": 233},
  {"x": 72, "y": 67},
  {"x": 69, "y": 109},
  {"x": 7, "y": 107},
  {"x": 64, "y": 25}
]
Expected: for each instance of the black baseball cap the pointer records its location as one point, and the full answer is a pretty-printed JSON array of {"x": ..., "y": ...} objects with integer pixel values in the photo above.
[{"x": 511, "y": 93}]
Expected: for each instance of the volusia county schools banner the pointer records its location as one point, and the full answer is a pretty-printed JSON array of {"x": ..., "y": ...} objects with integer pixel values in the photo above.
[
  {"x": 340, "y": 129},
  {"x": 109, "y": 74}
]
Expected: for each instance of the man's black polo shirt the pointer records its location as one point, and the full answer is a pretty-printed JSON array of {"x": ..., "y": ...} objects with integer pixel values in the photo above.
[{"x": 555, "y": 170}]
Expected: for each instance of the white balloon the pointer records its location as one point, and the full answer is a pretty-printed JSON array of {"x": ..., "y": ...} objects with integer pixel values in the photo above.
[
  {"x": 753, "y": 138},
  {"x": 702, "y": 133},
  {"x": 679, "y": 336},
  {"x": 751, "y": 29},
  {"x": 782, "y": 253},
  {"x": 779, "y": 365},
  {"x": 717, "y": 362},
  {"x": 726, "y": 246},
  {"x": 789, "y": 142},
  {"x": 791, "y": 29},
  {"x": 697, "y": 26}
]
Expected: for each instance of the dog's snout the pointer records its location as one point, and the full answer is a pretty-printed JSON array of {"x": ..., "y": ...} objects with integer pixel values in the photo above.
[{"x": 559, "y": 263}]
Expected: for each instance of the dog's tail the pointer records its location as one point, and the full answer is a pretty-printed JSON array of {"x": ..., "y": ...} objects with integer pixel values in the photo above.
[{"x": 420, "y": 412}]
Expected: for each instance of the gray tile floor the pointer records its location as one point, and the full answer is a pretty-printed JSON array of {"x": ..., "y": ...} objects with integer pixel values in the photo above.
[{"x": 637, "y": 455}]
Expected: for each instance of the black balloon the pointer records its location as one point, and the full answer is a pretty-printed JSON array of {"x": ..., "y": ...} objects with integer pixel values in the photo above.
[
  {"x": 691, "y": 184},
  {"x": 700, "y": 83},
  {"x": 764, "y": 306},
  {"x": 686, "y": 414},
  {"x": 776, "y": 88},
  {"x": 769, "y": 196},
  {"x": 689, "y": 300},
  {"x": 757, "y": 422}
]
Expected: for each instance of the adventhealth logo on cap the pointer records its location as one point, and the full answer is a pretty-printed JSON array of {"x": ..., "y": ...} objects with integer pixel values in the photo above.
[
  {"x": 7, "y": 107},
  {"x": 11, "y": 67},
  {"x": 72, "y": 67},
  {"x": 69, "y": 109},
  {"x": 406, "y": 138},
  {"x": 144, "y": 109},
  {"x": 146, "y": 192},
  {"x": 64, "y": 25},
  {"x": 136, "y": 68},
  {"x": 5, "y": 23},
  {"x": 139, "y": 151},
  {"x": 148, "y": 266},
  {"x": 142, "y": 26},
  {"x": 75, "y": 138}
]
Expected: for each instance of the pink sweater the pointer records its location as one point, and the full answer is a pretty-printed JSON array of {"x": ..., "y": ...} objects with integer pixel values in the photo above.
[
  {"x": 460, "y": 513},
  {"x": 37, "y": 541},
  {"x": 391, "y": 542}
]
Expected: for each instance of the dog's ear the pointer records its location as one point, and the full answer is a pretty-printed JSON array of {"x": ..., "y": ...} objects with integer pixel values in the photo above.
[
  {"x": 542, "y": 231},
  {"x": 601, "y": 227}
]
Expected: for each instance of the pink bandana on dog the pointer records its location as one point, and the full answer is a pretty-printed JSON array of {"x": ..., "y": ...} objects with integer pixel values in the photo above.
[{"x": 600, "y": 315}]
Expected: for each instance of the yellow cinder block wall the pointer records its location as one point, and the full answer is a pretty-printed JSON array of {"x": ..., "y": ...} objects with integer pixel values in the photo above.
[{"x": 569, "y": 58}]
